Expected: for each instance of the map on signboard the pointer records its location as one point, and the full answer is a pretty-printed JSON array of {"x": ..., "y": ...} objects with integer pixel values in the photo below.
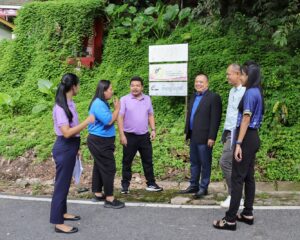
[{"x": 168, "y": 72}]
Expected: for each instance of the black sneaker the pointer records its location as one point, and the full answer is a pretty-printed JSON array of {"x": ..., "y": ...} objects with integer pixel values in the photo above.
[
  {"x": 116, "y": 204},
  {"x": 98, "y": 199},
  {"x": 125, "y": 190},
  {"x": 154, "y": 188}
]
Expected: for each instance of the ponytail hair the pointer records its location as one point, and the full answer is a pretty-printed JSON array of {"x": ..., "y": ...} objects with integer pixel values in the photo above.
[
  {"x": 102, "y": 86},
  {"x": 252, "y": 70},
  {"x": 67, "y": 82}
]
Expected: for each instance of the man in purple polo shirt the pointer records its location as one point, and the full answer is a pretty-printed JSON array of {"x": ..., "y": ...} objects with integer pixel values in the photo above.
[{"x": 136, "y": 113}]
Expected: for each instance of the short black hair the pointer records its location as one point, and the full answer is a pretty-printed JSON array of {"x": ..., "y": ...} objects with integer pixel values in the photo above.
[
  {"x": 203, "y": 74},
  {"x": 236, "y": 67},
  {"x": 137, "y": 78}
]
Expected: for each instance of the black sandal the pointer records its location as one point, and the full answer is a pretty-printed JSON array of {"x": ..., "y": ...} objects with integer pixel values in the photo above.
[
  {"x": 225, "y": 225},
  {"x": 75, "y": 218},
  {"x": 73, "y": 230},
  {"x": 242, "y": 218}
]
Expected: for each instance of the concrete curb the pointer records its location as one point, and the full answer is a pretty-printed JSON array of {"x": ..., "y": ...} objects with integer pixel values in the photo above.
[{"x": 157, "y": 205}]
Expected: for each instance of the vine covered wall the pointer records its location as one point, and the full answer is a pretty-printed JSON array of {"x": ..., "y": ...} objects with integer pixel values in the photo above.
[{"x": 49, "y": 32}]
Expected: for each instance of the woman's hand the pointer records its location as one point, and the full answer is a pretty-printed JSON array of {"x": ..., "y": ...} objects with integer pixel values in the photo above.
[
  {"x": 116, "y": 104},
  {"x": 238, "y": 153},
  {"x": 115, "y": 114},
  {"x": 91, "y": 118}
]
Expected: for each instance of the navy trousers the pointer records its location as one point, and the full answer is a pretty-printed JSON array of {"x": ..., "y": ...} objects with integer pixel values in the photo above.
[
  {"x": 200, "y": 158},
  {"x": 64, "y": 153}
]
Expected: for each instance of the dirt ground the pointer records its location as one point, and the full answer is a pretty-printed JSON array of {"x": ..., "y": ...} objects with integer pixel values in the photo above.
[{"x": 24, "y": 176}]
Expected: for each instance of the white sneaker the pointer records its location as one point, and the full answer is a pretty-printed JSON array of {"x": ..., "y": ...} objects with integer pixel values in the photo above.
[
  {"x": 242, "y": 203},
  {"x": 154, "y": 188},
  {"x": 226, "y": 203}
]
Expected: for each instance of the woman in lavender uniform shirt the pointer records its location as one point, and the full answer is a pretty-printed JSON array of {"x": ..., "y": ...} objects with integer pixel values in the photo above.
[{"x": 65, "y": 150}]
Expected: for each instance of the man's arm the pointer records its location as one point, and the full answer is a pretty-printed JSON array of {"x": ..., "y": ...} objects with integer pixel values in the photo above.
[
  {"x": 215, "y": 120},
  {"x": 187, "y": 119},
  {"x": 152, "y": 126},
  {"x": 123, "y": 139}
]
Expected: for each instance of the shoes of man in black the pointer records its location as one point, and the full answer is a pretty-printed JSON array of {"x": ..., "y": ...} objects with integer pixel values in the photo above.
[
  {"x": 190, "y": 189},
  {"x": 154, "y": 188},
  {"x": 125, "y": 190},
  {"x": 201, "y": 193}
]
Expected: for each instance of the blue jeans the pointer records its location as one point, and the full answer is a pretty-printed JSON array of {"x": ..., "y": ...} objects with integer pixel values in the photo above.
[{"x": 200, "y": 158}]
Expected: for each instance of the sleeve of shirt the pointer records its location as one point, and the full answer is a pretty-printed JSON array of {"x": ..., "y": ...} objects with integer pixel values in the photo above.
[
  {"x": 122, "y": 107},
  {"x": 229, "y": 96},
  {"x": 150, "y": 111},
  {"x": 249, "y": 103},
  {"x": 61, "y": 117},
  {"x": 101, "y": 112}
]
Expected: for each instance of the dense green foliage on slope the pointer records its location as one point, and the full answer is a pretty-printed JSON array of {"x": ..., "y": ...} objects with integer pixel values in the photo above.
[{"x": 40, "y": 50}]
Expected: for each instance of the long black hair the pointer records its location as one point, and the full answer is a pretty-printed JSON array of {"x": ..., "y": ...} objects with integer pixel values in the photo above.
[
  {"x": 67, "y": 82},
  {"x": 252, "y": 70},
  {"x": 102, "y": 86}
]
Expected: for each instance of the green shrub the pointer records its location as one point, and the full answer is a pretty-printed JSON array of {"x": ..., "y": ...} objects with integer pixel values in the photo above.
[{"x": 40, "y": 52}]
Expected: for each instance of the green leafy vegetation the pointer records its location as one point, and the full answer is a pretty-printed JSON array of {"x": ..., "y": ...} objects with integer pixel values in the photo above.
[
  {"x": 157, "y": 20},
  {"x": 279, "y": 20},
  {"x": 49, "y": 32}
]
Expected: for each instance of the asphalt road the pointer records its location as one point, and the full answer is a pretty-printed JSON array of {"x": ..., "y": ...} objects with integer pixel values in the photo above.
[{"x": 22, "y": 220}]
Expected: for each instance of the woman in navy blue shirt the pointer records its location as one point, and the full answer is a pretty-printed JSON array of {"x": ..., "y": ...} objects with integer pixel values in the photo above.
[{"x": 250, "y": 116}]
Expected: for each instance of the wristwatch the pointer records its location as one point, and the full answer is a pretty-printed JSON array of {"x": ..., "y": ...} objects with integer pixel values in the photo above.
[{"x": 238, "y": 142}]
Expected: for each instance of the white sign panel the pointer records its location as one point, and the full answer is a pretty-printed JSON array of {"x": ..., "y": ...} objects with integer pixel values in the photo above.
[
  {"x": 168, "y": 53},
  {"x": 168, "y": 88},
  {"x": 168, "y": 72},
  {"x": 8, "y": 12}
]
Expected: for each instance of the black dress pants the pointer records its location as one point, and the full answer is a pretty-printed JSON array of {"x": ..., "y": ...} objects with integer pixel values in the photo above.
[
  {"x": 141, "y": 143},
  {"x": 104, "y": 169},
  {"x": 243, "y": 173}
]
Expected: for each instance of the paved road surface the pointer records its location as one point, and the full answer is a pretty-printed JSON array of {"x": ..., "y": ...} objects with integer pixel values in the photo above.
[{"x": 22, "y": 220}]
